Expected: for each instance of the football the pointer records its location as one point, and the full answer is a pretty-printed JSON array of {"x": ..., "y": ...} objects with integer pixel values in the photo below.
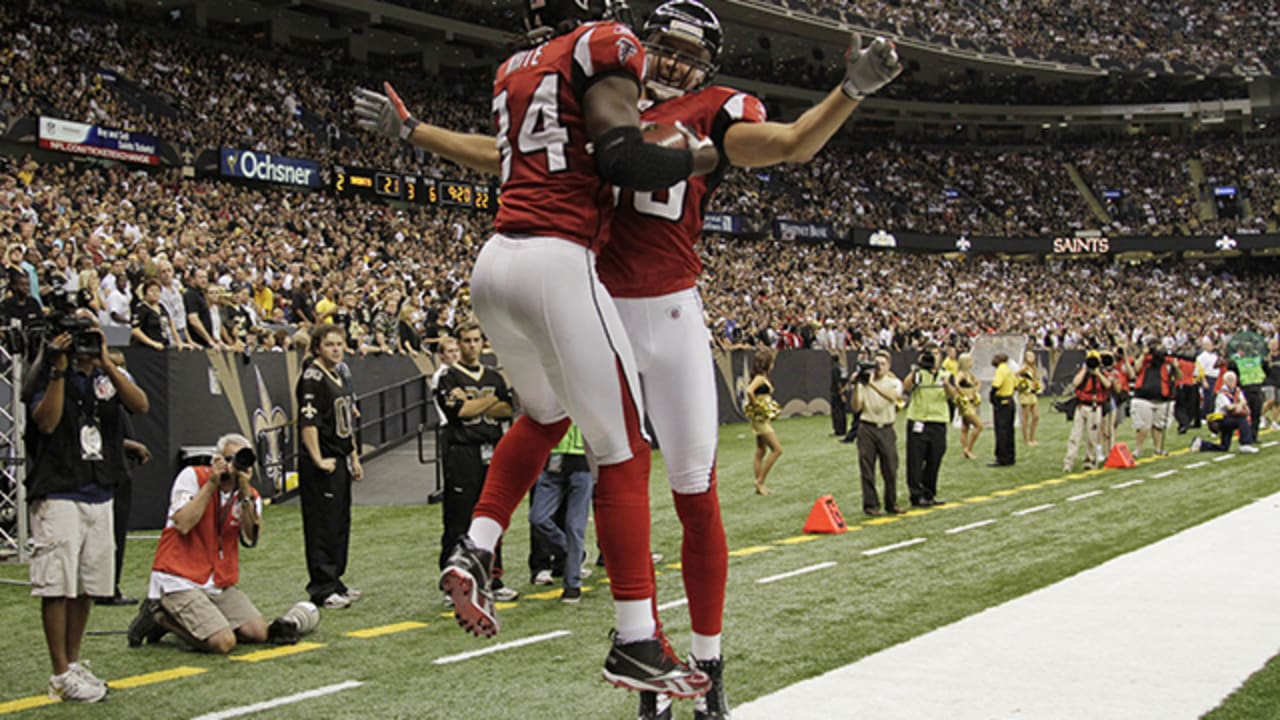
[
  {"x": 664, "y": 134},
  {"x": 307, "y": 615}
]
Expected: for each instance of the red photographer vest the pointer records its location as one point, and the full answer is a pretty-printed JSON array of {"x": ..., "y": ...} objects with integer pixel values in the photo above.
[{"x": 199, "y": 553}]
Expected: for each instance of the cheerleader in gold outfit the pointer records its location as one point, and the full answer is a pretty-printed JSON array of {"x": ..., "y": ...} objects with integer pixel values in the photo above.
[
  {"x": 1028, "y": 384},
  {"x": 761, "y": 409},
  {"x": 967, "y": 402}
]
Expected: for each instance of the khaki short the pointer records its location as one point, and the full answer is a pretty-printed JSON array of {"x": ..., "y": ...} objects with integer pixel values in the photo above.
[
  {"x": 75, "y": 549},
  {"x": 203, "y": 615},
  {"x": 1151, "y": 415}
]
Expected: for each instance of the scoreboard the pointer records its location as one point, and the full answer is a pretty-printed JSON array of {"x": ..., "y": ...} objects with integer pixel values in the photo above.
[{"x": 418, "y": 189}]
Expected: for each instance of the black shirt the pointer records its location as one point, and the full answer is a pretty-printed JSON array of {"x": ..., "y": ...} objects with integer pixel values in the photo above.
[
  {"x": 149, "y": 321},
  {"x": 476, "y": 381},
  {"x": 194, "y": 302},
  {"x": 57, "y": 464},
  {"x": 25, "y": 310},
  {"x": 325, "y": 400}
]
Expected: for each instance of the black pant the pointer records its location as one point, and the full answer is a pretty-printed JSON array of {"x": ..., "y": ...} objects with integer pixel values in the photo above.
[
  {"x": 1004, "y": 410},
  {"x": 326, "y": 525},
  {"x": 924, "y": 458},
  {"x": 1253, "y": 397},
  {"x": 878, "y": 443},
  {"x": 464, "y": 475},
  {"x": 1186, "y": 406},
  {"x": 839, "y": 414},
  {"x": 121, "y": 499}
]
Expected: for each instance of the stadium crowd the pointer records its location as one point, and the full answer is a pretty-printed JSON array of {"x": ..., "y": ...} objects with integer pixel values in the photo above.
[{"x": 396, "y": 277}]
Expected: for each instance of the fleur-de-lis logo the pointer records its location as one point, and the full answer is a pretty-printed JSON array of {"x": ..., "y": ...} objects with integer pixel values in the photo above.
[
  {"x": 1226, "y": 242},
  {"x": 271, "y": 433},
  {"x": 963, "y": 244}
]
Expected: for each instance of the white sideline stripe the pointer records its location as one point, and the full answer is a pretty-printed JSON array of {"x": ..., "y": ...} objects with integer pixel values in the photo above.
[
  {"x": 1035, "y": 509},
  {"x": 674, "y": 604},
  {"x": 1273, "y": 443},
  {"x": 286, "y": 700},
  {"x": 1131, "y": 483},
  {"x": 15, "y": 582},
  {"x": 970, "y": 526},
  {"x": 1084, "y": 496},
  {"x": 1193, "y": 466},
  {"x": 500, "y": 647},
  {"x": 1162, "y": 633},
  {"x": 142, "y": 537},
  {"x": 793, "y": 573},
  {"x": 1164, "y": 474},
  {"x": 1224, "y": 457},
  {"x": 895, "y": 546}
]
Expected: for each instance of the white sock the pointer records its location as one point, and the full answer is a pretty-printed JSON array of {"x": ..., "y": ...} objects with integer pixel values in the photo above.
[
  {"x": 705, "y": 647},
  {"x": 485, "y": 533},
  {"x": 635, "y": 620}
]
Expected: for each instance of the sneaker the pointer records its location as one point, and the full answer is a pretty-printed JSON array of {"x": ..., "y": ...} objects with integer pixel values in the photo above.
[
  {"x": 543, "y": 577},
  {"x": 1251, "y": 449},
  {"x": 586, "y": 571},
  {"x": 714, "y": 705},
  {"x": 657, "y": 557},
  {"x": 571, "y": 596},
  {"x": 654, "y": 706},
  {"x": 1195, "y": 444},
  {"x": 466, "y": 579},
  {"x": 652, "y": 665},
  {"x": 336, "y": 601},
  {"x": 72, "y": 686},
  {"x": 82, "y": 668},
  {"x": 1162, "y": 453},
  {"x": 353, "y": 594},
  {"x": 144, "y": 626},
  {"x": 505, "y": 594},
  {"x": 284, "y": 631}
]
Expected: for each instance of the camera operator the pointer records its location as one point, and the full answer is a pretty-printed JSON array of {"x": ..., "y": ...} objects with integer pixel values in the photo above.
[
  {"x": 876, "y": 398},
  {"x": 1092, "y": 386},
  {"x": 932, "y": 390},
  {"x": 213, "y": 509},
  {"x": 76, "y": 444},
  {"x": 1152, "y": 403},
  {"x": 20, "y": 312}
]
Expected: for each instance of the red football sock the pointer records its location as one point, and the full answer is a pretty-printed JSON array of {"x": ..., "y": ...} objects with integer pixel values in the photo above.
[
  {"x": 704, "y": 558},
  {"x": 517, "y": 461},
  {"x": 622, "y": 514}
]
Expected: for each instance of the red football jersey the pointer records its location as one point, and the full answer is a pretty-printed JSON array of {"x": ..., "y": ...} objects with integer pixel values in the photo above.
[
  {"x": 654, "y": 233},
  {"x": 549, "y": 181}
]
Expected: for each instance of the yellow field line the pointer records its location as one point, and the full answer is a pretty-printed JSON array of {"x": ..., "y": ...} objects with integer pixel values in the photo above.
[
  {"x": 796, "y": 540},
  {"x": 754, "y": 549},
  {"x": 134, "y": 681},
  {"x": 381, "y": 630},
  {"x": 279, "y": 652},
  {"x": 25, "y": 703}
]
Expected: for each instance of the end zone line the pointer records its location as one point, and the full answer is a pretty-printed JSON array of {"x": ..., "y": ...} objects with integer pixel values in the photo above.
[
  {"x": 1028, "y": 511},
  {"x": 447, "y": 659},
  {"x": 1084, "y": 496},
  {"x": 1164, "y": 474},
  {"x": 288, "y": 699},
  {"x": 793, "y": 573},
  {"x": 1124, "y": 485},
  {"x": 895, "y": 546},
  {"x": 970, "y": 526},
  {"x": 1224, "y": 457},
  {"x": 674, "y": 604}
]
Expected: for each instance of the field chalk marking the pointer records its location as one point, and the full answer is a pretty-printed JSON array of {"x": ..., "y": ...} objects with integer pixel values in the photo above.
[
  {"x": 447, "y": 659},
  {"x": 970, "y": 526},
  {"x": 793, "y": 573},
  {"x": 287, "y": 700},
  {"x": 895, "y": 546}
]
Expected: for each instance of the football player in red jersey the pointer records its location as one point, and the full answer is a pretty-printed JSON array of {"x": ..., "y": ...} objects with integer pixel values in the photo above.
[
  {"x": 536, "y": 293},
  {"x": 651, "y": 266}
]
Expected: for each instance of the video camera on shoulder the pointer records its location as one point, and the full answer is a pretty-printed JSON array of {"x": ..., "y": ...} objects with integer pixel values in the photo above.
[
  {"x": 864, "y": 370},
  {"x": 85, "y": 336}
]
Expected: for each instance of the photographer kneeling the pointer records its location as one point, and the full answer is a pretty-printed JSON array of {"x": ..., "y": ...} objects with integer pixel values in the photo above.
[{"x": 193, "y": 593}]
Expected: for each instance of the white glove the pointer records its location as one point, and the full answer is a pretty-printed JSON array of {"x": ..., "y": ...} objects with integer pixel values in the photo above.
[
  {"x": 384, "y": 114},
  {"x": 694, "y": 142},
  {"x": 866, "y": 71}
]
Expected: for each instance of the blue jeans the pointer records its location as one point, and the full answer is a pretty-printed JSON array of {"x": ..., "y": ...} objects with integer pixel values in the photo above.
[
  {"x": 1230, "y": 424},
  {"x": 554, "y": 488}
]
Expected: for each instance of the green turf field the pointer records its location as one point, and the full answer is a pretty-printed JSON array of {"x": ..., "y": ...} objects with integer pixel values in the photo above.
[{"x": 776, "y": 633}]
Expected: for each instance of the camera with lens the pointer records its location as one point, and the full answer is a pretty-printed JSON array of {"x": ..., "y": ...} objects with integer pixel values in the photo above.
[
  {"x": 1108, "y": 360},
  {"x": 864, "y": 371},
  {"x": 1092, "y": 361},
  {"x": 85, "y": 337},
  {"x": 244, "y": 459}
]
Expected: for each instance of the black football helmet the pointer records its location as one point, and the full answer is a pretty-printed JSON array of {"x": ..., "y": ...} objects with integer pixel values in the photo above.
[
  {"x": 553, "y": 17},
  {"x": 672, "y": 69}
]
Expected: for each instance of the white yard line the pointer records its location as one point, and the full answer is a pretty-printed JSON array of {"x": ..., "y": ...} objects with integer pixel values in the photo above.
[
  {"x": 1194, "y": 465},
  {"x": 286, "y": 700},
  {"x": 970, "y": 526},
  {"x": 1273, "y": 443},
  {"x": 1224, "y": 457},
  {"x": 793, "y": 573},
  {"x": 1124, "y": 485},
  {"x": 1084, "y": 496},
  {"x": 674, "y": 604},
  {"x": 447, "y": 659},
  {"x": 1164, "y": 474},
  {"x": 895, "y": 546},
  {"x": 1036, "y": 509},
  {"x": 1162, "y": 633}
]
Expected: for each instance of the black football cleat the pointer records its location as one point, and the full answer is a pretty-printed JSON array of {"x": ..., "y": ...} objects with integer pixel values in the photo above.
[
  {"x": 467, "y": 579},
  {"x": 652, "y": 665},
  {"x": 714, "y": 705}
]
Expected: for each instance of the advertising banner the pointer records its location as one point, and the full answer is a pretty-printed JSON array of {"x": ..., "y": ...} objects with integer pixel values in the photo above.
[
  {"x": 266, "y": 167},
  {"x": 108, "y": 143},
  {"x": 722, "y": 223},
  {"x": 806, "y": 232},
  {"x": 1066, "y": 245}
]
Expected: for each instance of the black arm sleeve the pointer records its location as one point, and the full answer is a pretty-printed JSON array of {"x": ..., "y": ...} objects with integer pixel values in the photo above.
[{"x": 624, "y": 159}]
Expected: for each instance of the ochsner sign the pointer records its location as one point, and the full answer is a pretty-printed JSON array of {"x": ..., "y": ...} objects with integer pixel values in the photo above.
[{"x": 269, "y": 168}]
